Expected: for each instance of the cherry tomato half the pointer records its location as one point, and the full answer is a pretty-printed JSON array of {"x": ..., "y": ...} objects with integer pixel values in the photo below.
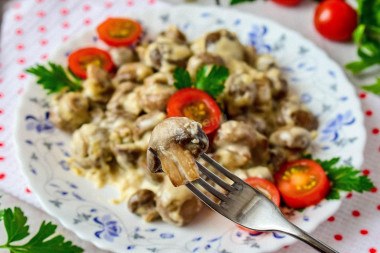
[
  {"x": 197, "y": 105},
  {"x": 302, "y": 183},
  {"x": 335, "y": 20},
  {"x": 265, "y": 187},
  {"x": 119, "y": 31},
  {"x": 288, "y": 2},
  {"x": 80, "y": 59}
]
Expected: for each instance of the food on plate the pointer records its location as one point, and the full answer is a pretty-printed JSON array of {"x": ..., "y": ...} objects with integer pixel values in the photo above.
[
  {"x": 119, "y": 31},
  {"x": 181, "y": 98},
  {"x": 81, "y": 58},
  {"x": 335, "y": 20},
  {"x": 302, "y": 183},
  {"x": 178, "y": 142},
  {"x": 197, "y": 105}
]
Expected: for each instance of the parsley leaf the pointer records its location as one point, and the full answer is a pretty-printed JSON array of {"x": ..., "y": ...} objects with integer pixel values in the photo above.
[
  {"x": 183, "y": 79},
  {"x": 209, "y": 81},
  {"x": 232, "y": 2},
  {"x": 16, "y": 228},
  {"x": 344, "y": 178},
  {"x": 213, "y": 82},
  {"x": 374, "y": 88},
  {"x": 367, "y": 37},
  {"x": 15, "y": 224},
  {"x": 55, "y": 78}
]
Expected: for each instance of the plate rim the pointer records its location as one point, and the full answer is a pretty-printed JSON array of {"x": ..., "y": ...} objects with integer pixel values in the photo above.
[{"x": 199, "y": 8}]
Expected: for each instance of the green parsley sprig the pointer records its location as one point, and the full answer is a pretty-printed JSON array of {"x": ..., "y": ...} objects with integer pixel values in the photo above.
[
  {"x": 17, "y": 230},
  {"x": 232, "y": 2},
  {"x": 343, "y": 178},
  {"x": 54, "y": 78},
  {"x": 210, "y": 82},
  {"x": 367, "y": 37}
]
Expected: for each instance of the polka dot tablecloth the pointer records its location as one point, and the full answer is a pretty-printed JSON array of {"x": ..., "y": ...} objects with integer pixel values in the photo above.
[{"x": 32, "y": 29}]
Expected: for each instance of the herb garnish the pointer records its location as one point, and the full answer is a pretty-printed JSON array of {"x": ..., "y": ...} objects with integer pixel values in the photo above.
[
  {"x": 212, "y": 83},
  {"x": 367, "y": 37},
  {"x": 16, "y": 228},
  {"x": 343, "y": 178},
  {"x": 56, "y": 78}
]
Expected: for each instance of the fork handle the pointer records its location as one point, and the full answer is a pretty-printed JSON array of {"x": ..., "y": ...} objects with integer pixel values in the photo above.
[{"x": 308, "y": 239}]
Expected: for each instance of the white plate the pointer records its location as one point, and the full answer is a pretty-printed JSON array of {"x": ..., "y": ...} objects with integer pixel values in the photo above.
[{"x": 42, "y": 149}]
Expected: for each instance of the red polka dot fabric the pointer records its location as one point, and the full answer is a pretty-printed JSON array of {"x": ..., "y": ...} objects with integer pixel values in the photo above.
[{"x": 33, "y": 29}]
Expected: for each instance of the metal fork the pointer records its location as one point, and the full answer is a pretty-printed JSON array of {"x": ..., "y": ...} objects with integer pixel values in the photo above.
[{"x": 246, "y": 206}]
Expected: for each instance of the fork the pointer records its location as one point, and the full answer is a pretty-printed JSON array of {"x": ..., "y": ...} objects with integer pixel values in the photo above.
[{"x": 245, "y": 205}]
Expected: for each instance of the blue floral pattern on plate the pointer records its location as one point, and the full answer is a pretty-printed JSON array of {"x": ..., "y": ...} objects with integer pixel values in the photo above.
[{"x": 79, "y": 206}]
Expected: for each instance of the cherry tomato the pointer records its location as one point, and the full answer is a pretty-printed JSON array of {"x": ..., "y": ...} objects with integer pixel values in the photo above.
[
  {"x": 80, "y": 59},
  {"x": 302, "y": 183},
  {"x": 335, "y": 20},
  {"x": 265, "y": 187},
  {"x": 197, "y": 105},
  {"x": 288, "y": 2},
  {"x": 119, "y": 31}
]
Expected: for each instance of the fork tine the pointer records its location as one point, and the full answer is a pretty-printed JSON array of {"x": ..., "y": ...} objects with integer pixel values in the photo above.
[
  {"x": 215, "y": 178},
  {"x": 203, "y": 197},
  {"x": 211, "y": 189},
  {"x": 221, "y": 169}
]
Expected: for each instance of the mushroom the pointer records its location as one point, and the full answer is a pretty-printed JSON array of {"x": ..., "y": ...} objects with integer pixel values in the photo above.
[
  {"x": 97, "y": 87},
  {"x": 203, "y": 59},
  {"x": 265, "y": 62},
  {"x": 122, "y": 55},
  {"x": 263, "y": 99},
  {"x": 239, "y": 93},
  {"x": 221, "y": 42},
  {"x": 178, "y": 142},
  {"x": 143, "y": 203},
  {"x": 125, "y": 101},
  {"x": 132, "y": 72},
  {"x": 90, "y": 147},
  {"x": 146, "y": 123},
  {"x": 69, "y": 110},
  {"x": 292, "y": 137},
  {"x": 167, "y": 52},
  {"x": 233, "y": 143},
  {"x": 291, "y": 112},
  {"x": 155, "y": 96},
  {"x": 177, "y": 205},
  {"x": 278, "y": 84}
]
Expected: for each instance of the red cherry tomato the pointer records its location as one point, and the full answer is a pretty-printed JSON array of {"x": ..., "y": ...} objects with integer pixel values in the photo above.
[
  {"x": 80, "y": 59},
  {"x": 197, "y": 105},
  {"x": 119, "y": 31},
  {"x": 302, "y": 183},
  {"x": 288, "y": 2},
  {"x": 335, "y": 20},
  {"x": 265, "y": 187}
]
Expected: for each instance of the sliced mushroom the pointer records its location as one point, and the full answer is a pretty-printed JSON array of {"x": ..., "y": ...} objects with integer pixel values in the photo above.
[
  {"x": 265, "y": 62},
  {"x": 132, "y": 72},
  {"x": 97, "y": 87},
  {"x": 90, "y": 147},
  {"x": 178, "y": 142},
  {"x": 146, "y": 123},
  {"x": 122, "y": 55},
  {"x": 292, "y": 137},
  {"x": 263, "y": 99},
  {"x": 69, "y": 110},
  {"x": 259, "y": 171},
  {"x": 233, "y": 143},
  {"x": 239, "y": 93},
  {"x": 279, "y": 85},
  {"x": 203, "y": 59},
  {"x": 153, "y": 97},
  {"x": 167, "y": 52},
  {"x": 177, "y": 205},
  {"x": 125, "y": 101},
  {"x": 221, "y": 42},
  {"x": 290, "y": 111},
  {"x": 174, "y": 34},
  {"x": 143, "y": 203}
]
